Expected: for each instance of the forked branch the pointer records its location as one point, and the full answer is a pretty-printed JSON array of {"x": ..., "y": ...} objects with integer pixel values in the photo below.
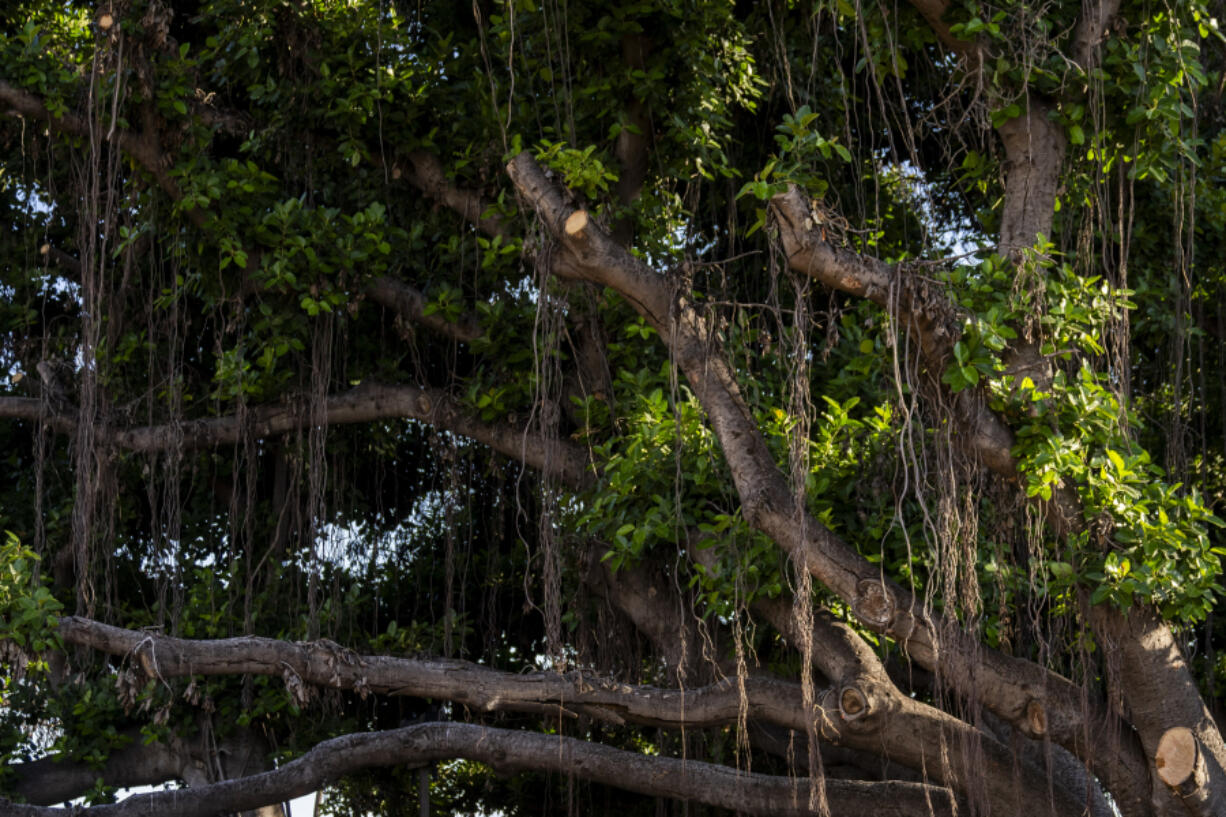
[{"x": 1031, "y": 698}]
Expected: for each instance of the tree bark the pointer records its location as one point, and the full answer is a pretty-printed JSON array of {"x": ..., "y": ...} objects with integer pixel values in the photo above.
[
  {"x": 1034, "y": 700},
  {"x": 327, "y": 665},
  {"x": 511, "y": 751},
  {"x": 54, "y": 780},
  {"x": 363, "y": 404},
  {"x": 410, "y": 304}
]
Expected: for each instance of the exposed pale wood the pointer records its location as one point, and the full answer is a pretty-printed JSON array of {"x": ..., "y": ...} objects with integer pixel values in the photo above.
[
  {"x": 576, "y": 222},
  {"x": 1177, "y": 756}
]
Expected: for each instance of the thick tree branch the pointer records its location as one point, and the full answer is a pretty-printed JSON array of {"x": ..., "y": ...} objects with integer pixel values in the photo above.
[
  {"x": 657, "y": 614},
  {"x": 52, "y": 780},
  {"x": 364, "y": 404},
  {"x": 1160, "y": 695},
  {"x": 510, "y": 751},
  {"x": 481, "y": 688},
  {"x": 915, "y": 303},
  {"x": 1034, "y": 151},
  {"x": 862, "y": 710},
  {"x": 867, "y": 710},
  {"x": 1157, "y": 686},
  {"x": 1028, "y": 696}
]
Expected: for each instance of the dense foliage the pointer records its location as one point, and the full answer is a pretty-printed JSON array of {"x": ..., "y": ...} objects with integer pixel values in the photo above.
[{"x": 229, "y": 217}]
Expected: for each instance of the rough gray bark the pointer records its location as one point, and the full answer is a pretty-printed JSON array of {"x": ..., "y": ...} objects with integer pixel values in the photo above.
[
  {"x": 1034, "y": 154},
  {"x": 424, "y": 171},
  {"x": 327, "y": 665},
  {"x": 1159, "y": 694},
  {"x": 510, "y": 751},
  {"x": 363, "y": 404},
  {"x": 1032, "y": 699},
  {"x": 197, "y": 762}
]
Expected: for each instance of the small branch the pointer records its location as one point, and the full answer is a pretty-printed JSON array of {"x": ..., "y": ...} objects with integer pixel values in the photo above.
[
  {"x": 142, "y": 148},
  {"x": 510, "y": 751},
  {"x": 63, "y": 260},
  {"x": 410, "y": 304},
  {"x": 1027, "y": 695},
  {"x": 234, "y": 123},
  {"x": 1092, "y": 31},
  {"x": 933, "y": 11},
  {"x": 633, "y": 141},
  {"x": 588, "y": 253},
  {"x": 916, "y": 306},
  {"x": 424, "y": 171}
]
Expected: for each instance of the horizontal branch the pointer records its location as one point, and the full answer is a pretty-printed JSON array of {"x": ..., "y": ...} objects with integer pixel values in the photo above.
[
  {"x": 862, "y": 710},
  {"x": 405, "y": 300},
  {"x": 511, "y": 751},
  {"x": 52, "y": 780},
  {"x": 472, "y": 685},
  {"x": 364, "y": 404}
]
